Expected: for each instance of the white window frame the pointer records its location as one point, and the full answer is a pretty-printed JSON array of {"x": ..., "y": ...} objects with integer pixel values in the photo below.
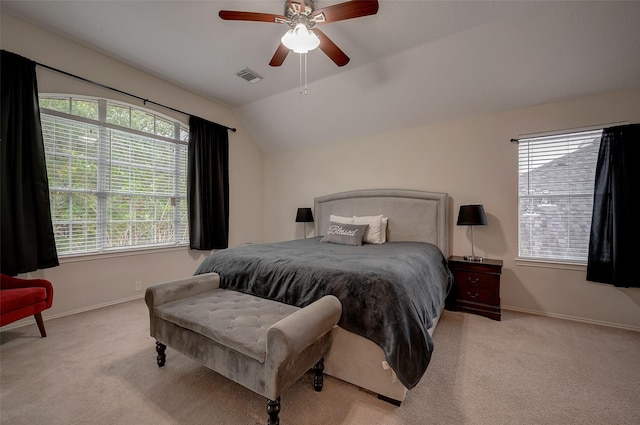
[
  {"x": 105, "y": 163},
  {"x": 557, "y": 236}
]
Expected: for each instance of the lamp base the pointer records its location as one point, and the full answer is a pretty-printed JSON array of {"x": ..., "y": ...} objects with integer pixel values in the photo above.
[{"x": 473, "y": 258}]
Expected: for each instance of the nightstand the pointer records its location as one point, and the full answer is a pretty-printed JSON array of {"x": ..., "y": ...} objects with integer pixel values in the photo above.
[{"x": 476, "y": 287}]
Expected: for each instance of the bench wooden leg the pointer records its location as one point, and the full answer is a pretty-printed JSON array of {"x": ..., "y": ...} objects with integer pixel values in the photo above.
[
  {"x": 40, "y": 323},
  {"x": 318, "y": 379},
  {"x": 273, "y": 410},
  {"x": 162, "y": 357}
]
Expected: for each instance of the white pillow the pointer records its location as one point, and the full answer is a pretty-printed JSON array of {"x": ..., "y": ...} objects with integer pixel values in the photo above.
[
  {"x": 383, "y": 229},
  {"x": 340, "y": 219},
  {"x": 374, "y": 232}
]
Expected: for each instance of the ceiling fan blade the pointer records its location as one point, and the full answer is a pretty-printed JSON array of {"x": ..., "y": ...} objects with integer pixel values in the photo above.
[
  {"x": 280, "y": 55},
  {"x": 346, "y": 10},
  {"x": 232, "y": 15},
  {"x": 330, "y": 49},
  {"x": 299, "y": 6}
]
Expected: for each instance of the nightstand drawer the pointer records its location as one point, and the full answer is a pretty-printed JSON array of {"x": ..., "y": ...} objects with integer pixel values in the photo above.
[
  {"x": 475, "y": 280},
  {"x": 478, "y": 294}
]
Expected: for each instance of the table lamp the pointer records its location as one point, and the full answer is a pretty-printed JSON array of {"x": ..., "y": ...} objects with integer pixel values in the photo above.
[
  {"x": 305, "y": 216},
  {"x": 472, "y": 215}
]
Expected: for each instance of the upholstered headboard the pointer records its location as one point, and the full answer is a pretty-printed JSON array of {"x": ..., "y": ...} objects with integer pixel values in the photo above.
[{"x": 413, "y": 215}]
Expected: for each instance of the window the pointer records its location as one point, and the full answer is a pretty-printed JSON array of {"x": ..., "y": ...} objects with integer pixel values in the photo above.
[
  {"x": 117, "y": 175},
  {"x": 555, "y": 193}
]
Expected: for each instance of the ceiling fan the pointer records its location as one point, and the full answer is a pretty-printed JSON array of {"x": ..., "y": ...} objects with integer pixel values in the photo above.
[{"x": 302, "y": 17}]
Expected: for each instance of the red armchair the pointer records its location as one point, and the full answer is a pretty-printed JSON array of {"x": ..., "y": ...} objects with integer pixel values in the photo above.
[{"x": 20, "y": 298}]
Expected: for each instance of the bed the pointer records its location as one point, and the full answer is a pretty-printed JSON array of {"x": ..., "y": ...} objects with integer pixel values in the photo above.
[{"x": 392, "y": 293}]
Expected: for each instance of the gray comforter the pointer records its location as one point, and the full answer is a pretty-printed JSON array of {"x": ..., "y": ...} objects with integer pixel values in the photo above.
[{"x": 389, "y": 292}]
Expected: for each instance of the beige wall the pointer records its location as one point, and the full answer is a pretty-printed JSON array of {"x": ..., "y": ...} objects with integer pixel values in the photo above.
[
  {"x": 472, "y": 160},
  {"x": 87, "y": 283}
]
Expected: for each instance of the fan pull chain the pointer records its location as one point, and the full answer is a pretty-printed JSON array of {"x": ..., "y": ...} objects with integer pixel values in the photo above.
[{"x": 305, "y": 74}]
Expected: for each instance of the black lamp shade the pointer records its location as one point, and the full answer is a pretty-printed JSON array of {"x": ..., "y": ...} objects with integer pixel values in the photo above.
[
  {"x": 304, "y": 215},
  {"x": 471, "y": 215}
]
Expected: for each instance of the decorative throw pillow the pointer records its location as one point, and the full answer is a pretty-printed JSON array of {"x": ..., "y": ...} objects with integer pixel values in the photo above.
[
  {"x": 341, "y": 219},
  {"x": 374, "y": 234},
  {"x": 345, "y": 234}
]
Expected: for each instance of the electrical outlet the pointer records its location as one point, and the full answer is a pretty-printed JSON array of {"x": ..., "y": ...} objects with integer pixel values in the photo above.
[{"x": 137, "y": 286}]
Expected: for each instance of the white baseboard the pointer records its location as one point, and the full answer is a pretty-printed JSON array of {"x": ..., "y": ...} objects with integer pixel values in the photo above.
[
  {"x": 572, "y": 318},
  {"x": 31, "y": 321}
]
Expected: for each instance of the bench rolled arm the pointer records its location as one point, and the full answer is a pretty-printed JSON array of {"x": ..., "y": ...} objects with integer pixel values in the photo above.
[
  {"x": 173, "y": 290},
  {"x": 292, "y": 334}
]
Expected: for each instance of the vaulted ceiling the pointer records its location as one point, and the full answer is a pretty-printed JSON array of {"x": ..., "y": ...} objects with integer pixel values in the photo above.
[{"x": 413, "y": 63}]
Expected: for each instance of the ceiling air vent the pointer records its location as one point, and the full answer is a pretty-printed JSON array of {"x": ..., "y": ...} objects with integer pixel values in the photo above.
[{"x": 250, "y": 75}]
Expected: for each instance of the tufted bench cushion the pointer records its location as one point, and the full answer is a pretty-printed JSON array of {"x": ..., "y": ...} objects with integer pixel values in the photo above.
[{"x": 236, "y": 320}]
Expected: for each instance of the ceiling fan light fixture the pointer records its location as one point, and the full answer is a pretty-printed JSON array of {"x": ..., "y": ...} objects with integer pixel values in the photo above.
[{"x": 300, "y": 39}]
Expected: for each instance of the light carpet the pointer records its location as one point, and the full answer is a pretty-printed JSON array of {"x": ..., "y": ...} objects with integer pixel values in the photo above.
[{"x": 99, "y": 367}]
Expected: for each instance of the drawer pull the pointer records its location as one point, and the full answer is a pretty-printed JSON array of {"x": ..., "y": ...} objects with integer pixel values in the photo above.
[
  {"x": 473, "y": 280},
  {"x": 472, "y": 295}
]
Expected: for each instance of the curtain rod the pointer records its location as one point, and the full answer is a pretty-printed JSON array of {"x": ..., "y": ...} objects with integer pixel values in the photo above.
[
  {"x": 144, "y": 101},
  {"x": 570, "y": 130}
]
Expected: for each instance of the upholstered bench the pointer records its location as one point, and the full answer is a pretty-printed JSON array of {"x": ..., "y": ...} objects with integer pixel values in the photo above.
[{"x": 261, "y": 344}]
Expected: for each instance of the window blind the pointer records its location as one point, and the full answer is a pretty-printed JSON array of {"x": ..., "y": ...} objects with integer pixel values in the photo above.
[
  {"x": 555, "y": 192},
  {"x": 112, "y": 187}
]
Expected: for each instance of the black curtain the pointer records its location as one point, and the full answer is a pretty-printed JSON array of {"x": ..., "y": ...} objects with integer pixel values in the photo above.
[
  {"x": 27, "y": 238},
  {"x": 208, "y": 185},
  {"x": 615, "y": 234}
]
